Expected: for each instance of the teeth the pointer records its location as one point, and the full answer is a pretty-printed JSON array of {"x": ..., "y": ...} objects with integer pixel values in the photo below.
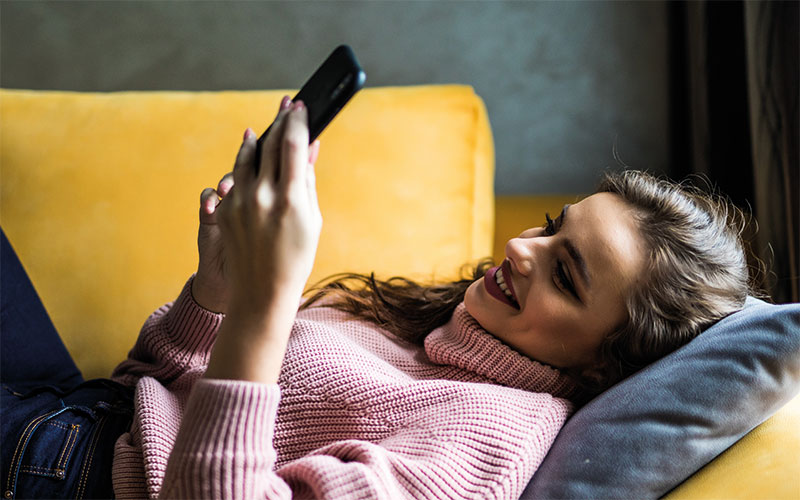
[{"x": 501, "y": 282}]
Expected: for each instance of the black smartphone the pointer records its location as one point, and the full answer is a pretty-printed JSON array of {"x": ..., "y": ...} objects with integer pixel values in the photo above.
[{"x": 327, "y": 91}]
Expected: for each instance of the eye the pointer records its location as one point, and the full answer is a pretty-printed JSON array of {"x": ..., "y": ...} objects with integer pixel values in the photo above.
[
  {"x": 560, "y": 275},
  {"x": 563, "y": 279}
]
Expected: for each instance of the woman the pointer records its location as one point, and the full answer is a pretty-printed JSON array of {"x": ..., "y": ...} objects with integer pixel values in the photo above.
[{"x": 395, "y": 389}]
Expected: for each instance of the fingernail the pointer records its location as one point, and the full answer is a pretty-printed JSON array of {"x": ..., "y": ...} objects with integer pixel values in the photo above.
[
  {"x": 298, "y": 105},
  {"x": 285, "y": 102},
  {"x": 247, "y": 133}
]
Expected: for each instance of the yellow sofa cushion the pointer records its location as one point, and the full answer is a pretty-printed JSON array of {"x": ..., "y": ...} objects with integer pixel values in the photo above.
[
  {"x": 763, "y": 464},
  {"x": 100, "y": 194}
]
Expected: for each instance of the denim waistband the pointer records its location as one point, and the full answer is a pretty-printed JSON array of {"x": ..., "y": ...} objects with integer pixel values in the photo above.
[{"x": 58, "y": 444}]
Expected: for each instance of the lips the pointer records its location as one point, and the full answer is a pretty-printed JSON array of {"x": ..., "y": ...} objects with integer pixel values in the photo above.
[{"x": 493, "y": 289}]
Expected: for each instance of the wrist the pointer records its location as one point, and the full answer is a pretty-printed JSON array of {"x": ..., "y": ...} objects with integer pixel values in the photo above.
[
  {"x": 270, "y": 316},
  {"x": 210, "y": 298},
  {"x": 265, "y": 298},
  {"x": 250, "y": 346}
]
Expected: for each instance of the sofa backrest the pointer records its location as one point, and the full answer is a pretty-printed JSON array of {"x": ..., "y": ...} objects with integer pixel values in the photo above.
[{"x": 100, "y": 194}]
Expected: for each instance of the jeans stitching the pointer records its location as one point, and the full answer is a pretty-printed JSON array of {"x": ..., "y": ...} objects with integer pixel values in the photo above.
[
  {"x": 12, "y": 472},
  {"x": 56, "y": 423},
  {"x": 72, "y": 438},
  {"x": 87, "y": 461},
  {"x": 41, "y": 471},
  {"x": 19, "y": 442}
]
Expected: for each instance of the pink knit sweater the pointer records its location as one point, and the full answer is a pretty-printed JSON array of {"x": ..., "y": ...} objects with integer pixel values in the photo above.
[{"x": 355, "y": 414}]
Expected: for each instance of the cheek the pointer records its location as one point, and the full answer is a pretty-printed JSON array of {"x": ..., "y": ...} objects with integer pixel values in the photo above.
[
  {"x": 550, "y": 319},
  {"x": 473, "y": 302},
  {"x": 468, "y": 296},
  {"x": 475, "y": 299},
  {"x": 544, "y": 308},
  {"x": 483, "y": 307}
]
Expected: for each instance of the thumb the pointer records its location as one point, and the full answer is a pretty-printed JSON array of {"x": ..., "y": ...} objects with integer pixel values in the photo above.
[{"x": 208, "y": 206}]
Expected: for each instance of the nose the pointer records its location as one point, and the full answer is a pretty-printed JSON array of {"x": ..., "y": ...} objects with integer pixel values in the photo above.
[{"x": 524, "y": 253}]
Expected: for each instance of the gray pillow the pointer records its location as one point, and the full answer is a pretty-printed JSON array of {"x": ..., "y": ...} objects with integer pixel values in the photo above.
[{"x": 650, "y": 432}]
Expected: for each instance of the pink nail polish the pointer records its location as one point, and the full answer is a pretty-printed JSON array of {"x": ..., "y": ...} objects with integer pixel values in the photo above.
[
  {"x": 299, "y": 105},
  {"x": 247, "y": 133},
  {"x": 286, "y": 102}
]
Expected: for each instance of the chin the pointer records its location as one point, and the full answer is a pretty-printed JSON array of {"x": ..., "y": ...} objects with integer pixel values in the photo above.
[
  {"x": 469, "y": 296},
  {"x": 475, "y": 303}
]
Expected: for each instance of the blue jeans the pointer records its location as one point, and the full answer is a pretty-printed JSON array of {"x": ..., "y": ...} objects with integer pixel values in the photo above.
[{"x": 58, "y": 431}]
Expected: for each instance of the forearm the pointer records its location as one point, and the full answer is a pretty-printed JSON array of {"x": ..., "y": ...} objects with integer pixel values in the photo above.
[
  {"x": 251, "y": 343},
  {"x": 270, "y": 224}
]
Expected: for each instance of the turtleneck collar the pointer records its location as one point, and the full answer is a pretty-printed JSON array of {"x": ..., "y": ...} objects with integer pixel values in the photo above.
[{"x": 462, "y": 342}]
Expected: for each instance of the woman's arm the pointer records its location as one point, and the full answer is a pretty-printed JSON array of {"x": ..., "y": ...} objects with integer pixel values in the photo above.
[
  {"x": 270, "y": 224},
  {"x": 268, "y": 231},
  {"x": 477, "y": 444},
  {"x": 175, "y": 340},
  {"x": 178, "y": 337}
]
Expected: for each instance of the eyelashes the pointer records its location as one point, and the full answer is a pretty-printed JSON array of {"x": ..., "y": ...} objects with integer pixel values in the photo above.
[
  {"x": 549, "y": 226},
  {"x": 559, "y": 272},
  {"x": 561, "y": 276}
]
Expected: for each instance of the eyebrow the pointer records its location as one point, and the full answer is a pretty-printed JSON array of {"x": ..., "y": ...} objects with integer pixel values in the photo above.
[{"x": 580, "y": 262}]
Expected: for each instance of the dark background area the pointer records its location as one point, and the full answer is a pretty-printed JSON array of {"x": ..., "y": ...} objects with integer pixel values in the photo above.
[{"x": 572, "y": 88}]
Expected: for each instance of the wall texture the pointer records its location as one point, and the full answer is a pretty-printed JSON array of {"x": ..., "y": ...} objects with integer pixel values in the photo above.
[{"x": 564, "y": 82}]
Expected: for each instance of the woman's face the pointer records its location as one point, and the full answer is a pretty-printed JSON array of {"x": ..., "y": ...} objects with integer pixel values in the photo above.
[{"x": 568, "y": 282}]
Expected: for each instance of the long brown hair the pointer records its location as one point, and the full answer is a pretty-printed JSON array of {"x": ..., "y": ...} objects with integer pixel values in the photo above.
[
  {"x": 406, "y": 308},
  {"x": 697, "y": 273}
]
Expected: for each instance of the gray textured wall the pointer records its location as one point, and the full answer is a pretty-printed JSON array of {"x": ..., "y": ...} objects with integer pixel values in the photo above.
[{"x": 563, "y": 81}]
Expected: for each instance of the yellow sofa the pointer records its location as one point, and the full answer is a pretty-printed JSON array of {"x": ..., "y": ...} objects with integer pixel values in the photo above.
[{"x": 100, "y": 192}]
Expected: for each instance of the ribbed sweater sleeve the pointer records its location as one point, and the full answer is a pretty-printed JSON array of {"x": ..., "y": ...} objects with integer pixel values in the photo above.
[
  {"x": 176, "y": 340},
  {"x": 360, "y": 415},
  {"x": 224, "y": 448}
]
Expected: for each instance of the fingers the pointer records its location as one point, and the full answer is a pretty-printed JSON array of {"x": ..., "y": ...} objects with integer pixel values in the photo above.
[
  {"x": 286, "y": 158},
  {"x": 246, "y": 160},
  {"x": 294, "y": 153},
  {"x": 311, "y": 176},
  {"x": 208, "y": 206},
  {"x": 210, "y": 198},
  {"x": 225, "y": 185},
  {"x": 244, "y": 165},
  {"x": 269, "y": 149},
  {"x": 311, "y": 189},
  {"x": 313, "y": 152}
]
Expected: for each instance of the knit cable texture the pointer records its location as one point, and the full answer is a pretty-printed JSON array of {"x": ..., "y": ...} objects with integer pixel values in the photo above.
[{"x": 355, "y": 414}]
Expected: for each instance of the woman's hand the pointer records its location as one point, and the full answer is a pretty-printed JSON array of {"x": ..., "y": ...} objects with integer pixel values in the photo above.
[
  {"x": 270, "y": 220},
  {"x": 210, "y": 287},
  {"x": 270, "y": 224}
]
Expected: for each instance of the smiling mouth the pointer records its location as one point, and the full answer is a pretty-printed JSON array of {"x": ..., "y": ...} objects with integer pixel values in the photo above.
[{"x": 496, "y": 285}]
